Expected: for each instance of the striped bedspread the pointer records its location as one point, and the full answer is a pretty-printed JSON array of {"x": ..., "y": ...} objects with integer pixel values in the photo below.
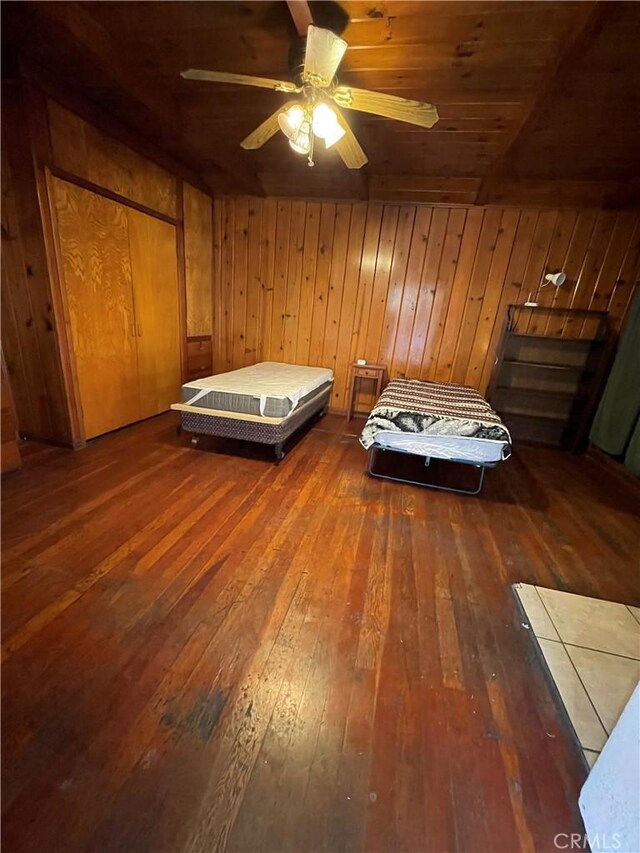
[{"x": 433, "y": 408}]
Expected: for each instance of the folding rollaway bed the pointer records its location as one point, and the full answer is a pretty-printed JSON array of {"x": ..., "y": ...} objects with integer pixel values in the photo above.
[
  {"x": 436, "y": 420},
  {"x": 265, "y": 403}
]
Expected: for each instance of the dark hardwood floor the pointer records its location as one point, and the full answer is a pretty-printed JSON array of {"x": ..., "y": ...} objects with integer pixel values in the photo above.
[{"x": 210, "y": 652}]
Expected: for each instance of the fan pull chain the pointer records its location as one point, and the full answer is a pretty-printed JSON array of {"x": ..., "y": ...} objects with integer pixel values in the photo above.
[{"x": 311, "y": 140}]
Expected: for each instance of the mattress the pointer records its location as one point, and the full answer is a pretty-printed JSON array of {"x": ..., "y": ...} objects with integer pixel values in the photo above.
[
  {"x": 268, "y": 389},
  {"x": 442, "y": 410},
  {"x": 455, "y": 448},
  {"x": 247, "y": 427}
]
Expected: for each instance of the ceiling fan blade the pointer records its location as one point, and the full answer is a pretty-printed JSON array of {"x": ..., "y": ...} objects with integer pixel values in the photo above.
[
  {"x": 301, "y": 14},
  {"x": 323, "y": 56},
  {"x": 265, "y": 131},
  {"x": 239, "y": 79},
  {"x": 348, "y": 147},
  {"x": 389, "y": 106}
]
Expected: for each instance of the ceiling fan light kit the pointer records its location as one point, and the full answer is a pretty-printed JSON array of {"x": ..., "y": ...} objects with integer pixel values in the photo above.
[
  {"x": 300, "y": 123},
  {"x": 315, "y": 116}
]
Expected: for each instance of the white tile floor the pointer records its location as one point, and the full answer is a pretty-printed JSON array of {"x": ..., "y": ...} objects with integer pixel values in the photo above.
[{"x": 592, "y": 649}]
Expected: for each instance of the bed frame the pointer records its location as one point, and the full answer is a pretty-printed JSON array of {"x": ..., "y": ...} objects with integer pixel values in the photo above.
[
  {"x": 245, "y": 429},
  {"x": 427, "y": 461}
]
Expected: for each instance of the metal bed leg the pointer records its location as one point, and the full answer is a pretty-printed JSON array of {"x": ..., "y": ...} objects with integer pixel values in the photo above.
[
  {"x": 475, "y": 491},
  {"x": 279, "y": 451}
]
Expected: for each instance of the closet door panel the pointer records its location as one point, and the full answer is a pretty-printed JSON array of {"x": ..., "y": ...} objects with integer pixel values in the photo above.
[
  {"x": 154, "y": 262},
  {"x": 93, "y": 237}
]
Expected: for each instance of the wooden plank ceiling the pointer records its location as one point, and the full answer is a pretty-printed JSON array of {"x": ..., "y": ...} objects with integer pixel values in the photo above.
[{"x": 538, "y": 100}]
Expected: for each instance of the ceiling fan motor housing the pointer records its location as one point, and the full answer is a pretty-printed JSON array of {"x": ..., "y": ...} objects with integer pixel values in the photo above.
[{"x": 297, "y": 53}]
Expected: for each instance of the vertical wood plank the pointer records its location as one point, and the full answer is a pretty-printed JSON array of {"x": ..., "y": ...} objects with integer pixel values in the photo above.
[
  {"x": 461, "y": 281},
  {"x": 321, "y": 291},
  {"x": 254, "y": 259},
  {"x": 386, "y": 251},
  {"x": 336, "y": 285},
  {"x": 217, "y": 342},
  {"x": 309, "y": 261},
  {"x": 444, "y": 288},
  {"x": 413, "y": 276},
  {"x": 574, "y": 261},
  {"x": 240, "y": 258},
  {"x": 430, "y": 272},
  {"x": 281, "y": 269},
  {"x": 294, "y": 280},
  {"x": 492, "y": 297},
  {"x": 397, "y": 282},
  {"x": 594, "y": 260},
  {"x": 555, "y": 262},
  {"x": 348, "y": 312},
  {"x": 476, "y": 293},
  {"x": 511, "y": 287},
  {"x": 267, "y": 274},
  {"x": 228, "y": 284}
]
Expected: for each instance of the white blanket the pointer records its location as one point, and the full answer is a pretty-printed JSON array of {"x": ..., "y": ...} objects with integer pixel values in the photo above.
[{"x": 263, "y": 380}]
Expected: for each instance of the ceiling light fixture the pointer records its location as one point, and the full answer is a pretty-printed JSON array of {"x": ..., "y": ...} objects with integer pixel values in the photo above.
[
  {"x": 318, "y": 87},
  {"x": 291, "y": 119},
  {"x": 325, "y": 124},
  {"x": 301, "y": 123},
  {"x": 301, "y": 142}
]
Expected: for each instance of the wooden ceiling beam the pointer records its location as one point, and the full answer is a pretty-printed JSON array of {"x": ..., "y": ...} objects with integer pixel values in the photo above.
[
  {"x": 570, "y": 50},
  {"x": 78, "y": 30},
  {"x": 301, "y": 14}
]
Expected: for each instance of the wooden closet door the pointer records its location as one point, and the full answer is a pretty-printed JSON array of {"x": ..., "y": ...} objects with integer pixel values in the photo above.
[
  {"x": 93, "y": 235},
  {"x": 154, "y": 263}
]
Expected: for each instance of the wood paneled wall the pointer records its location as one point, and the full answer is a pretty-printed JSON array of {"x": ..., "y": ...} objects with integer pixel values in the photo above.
[
  {"x": 9, "y": 452},
  {"x": 81, "y": 149},
  {"x": 421, "y": 289},
  {"x": 29, "y": 331},
  {"x": 198, "y": 252},
  {"x": 40, "y": 134}
]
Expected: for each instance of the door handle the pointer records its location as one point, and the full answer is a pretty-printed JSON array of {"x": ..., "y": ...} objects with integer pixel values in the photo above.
[{"x": 139, "y": 330}]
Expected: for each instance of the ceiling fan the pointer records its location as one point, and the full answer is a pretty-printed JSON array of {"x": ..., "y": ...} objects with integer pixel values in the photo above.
[{"x": 316, "y": 113}]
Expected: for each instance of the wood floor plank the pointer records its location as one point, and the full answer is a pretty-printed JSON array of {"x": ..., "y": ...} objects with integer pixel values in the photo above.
[{"x": 206, "y": 651}]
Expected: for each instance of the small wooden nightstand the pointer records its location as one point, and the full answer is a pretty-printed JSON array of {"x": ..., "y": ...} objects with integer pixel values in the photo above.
[{"x": 364, "y": 371}]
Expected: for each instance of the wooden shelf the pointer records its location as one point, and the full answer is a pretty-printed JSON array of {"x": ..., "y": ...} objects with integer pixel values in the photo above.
[
  {"x": 541, "y": 392},
  {"x": 590, "y": 341},
  {"x": 550, "y": 309},
  {"x": 546, "y": 419},
  {"x": 547, "y": 366},
  {"x": 561, "y": 375}
]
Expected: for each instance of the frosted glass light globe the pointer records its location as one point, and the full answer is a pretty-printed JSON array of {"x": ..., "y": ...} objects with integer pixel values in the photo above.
[
  {"x": 301, "y": 142},
  {"x": 325, "y": 125},
  {"x": 291, "y": 120}
]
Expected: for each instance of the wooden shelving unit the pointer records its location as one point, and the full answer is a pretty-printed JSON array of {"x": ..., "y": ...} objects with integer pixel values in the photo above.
[{"x": 546, "y": 387}]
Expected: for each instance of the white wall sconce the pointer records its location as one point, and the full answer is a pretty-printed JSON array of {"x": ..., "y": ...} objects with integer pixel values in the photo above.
[{"x": 557, "y": 279}]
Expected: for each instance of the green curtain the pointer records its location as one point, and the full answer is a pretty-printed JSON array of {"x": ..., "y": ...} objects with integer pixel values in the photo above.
[
  {"x": 615, "y": 427},
  {"x": 632, "y": 456}
]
